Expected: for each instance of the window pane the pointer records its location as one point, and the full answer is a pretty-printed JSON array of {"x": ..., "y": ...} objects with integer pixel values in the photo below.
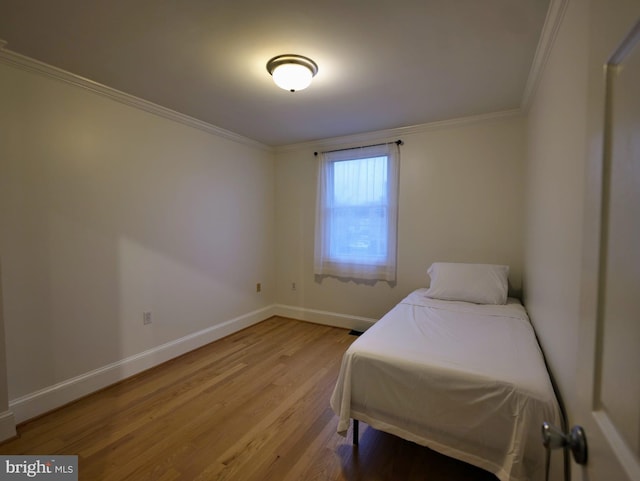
[
  {"x": 358, "y": 217},
  {"x": 360, "y": 182},
  {"x": 359, "y": 234}
]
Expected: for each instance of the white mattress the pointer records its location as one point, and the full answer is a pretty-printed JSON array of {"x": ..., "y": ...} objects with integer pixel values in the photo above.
[{"x": 466, "y": 380}]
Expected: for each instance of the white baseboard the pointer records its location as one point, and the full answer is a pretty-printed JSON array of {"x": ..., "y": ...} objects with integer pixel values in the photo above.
[
  {"x": 44, "y": 400},
  {"x": 7, "y": 425},
  {"x": 324, "y": 317},
  {"x": 52, "y": 397}
]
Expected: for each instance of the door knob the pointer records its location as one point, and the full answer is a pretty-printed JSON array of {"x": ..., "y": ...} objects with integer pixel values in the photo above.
[{"x": 575, "y": 440}]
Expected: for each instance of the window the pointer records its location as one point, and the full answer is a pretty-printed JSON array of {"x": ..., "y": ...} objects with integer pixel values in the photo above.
[{"x": 356, "y": 213}]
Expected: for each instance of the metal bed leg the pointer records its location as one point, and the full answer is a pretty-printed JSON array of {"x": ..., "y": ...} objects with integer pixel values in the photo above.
[{"x": 356, "y": 424}]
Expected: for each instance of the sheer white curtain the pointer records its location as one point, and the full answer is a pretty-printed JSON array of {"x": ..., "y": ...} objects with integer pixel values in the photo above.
[{"x": 357, "y": 213}]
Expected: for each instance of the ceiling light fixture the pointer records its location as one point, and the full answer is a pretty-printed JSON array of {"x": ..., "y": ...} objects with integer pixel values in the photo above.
[{"x": 292, "y": 72}]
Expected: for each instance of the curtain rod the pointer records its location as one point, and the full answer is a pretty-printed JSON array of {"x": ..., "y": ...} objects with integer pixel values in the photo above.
[{"x": 397, "y": 142}]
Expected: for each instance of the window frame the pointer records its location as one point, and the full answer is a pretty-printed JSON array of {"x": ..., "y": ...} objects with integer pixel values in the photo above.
[{"x": 353, "y": 266}]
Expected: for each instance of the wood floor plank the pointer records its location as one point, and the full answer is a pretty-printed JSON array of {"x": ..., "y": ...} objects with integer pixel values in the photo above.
[{"x": 253, "y": 406}]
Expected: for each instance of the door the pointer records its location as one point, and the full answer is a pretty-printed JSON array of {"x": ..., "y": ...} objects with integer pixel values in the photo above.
[{"x": 609, "y": 359}]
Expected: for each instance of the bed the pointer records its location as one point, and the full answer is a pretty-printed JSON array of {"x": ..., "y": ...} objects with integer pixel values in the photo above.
[{"x": 466, "y": 379}]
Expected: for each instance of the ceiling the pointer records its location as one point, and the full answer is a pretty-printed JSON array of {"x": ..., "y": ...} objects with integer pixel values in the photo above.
[{"x": 382, "y": 65}]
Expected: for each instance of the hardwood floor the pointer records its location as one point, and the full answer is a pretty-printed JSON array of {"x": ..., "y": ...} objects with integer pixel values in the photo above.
[{"x": 251, "y": 407}]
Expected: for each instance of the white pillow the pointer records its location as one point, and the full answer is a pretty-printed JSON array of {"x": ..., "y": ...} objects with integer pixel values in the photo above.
[{"x": 478, "y": 283}]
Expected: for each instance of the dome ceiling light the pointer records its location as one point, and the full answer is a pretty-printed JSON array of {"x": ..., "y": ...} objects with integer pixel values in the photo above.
[{"x": 292, "y": 72}]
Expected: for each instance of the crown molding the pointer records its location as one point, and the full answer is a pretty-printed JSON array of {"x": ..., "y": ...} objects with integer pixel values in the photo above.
[
  {"x": 35, "y": 66},
  {"x": 393, "y": 134},
  {"x": 550, "y": 29}
]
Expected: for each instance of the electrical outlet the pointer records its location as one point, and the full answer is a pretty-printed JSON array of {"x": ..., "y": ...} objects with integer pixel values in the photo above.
[
  {"x": 258, "y": 287},
  {"x": 293, "y": 286},
  {"x": 146, "y": 318}
]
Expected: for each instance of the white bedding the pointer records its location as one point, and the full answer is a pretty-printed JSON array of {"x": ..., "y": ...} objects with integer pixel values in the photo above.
[{"x": 466, "y": 380}]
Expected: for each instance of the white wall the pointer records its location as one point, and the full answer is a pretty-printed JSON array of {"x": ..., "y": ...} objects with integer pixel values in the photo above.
[
  {"x": 563, "y": 206},
  {"x": 460, "y": 200},
  {"x": 555, "y": 176},
  {"x": 107, "y": 211}
]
